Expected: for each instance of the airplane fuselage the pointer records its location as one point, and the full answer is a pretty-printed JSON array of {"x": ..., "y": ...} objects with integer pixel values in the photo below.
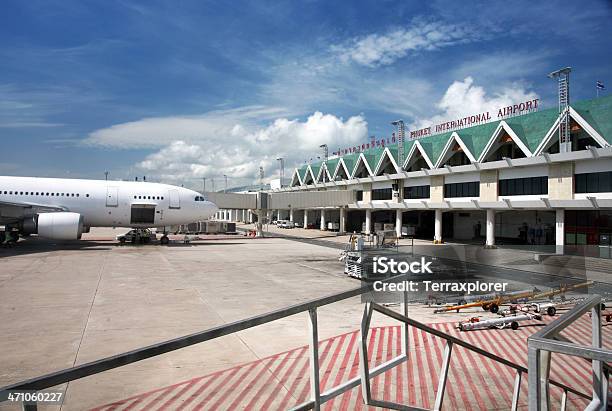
[{"x": 105, "y": 203}]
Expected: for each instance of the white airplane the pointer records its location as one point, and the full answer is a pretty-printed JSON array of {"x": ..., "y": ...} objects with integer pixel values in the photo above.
[{"x": 62, "y": 209}]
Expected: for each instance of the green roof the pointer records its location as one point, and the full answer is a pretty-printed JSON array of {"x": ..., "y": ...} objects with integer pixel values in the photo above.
[
  {"x": 530, "y": 128},
  {"x": 598, "y": 113},
  {"x": 315, "y": 170},
  {"x": 476, "y": 138},
  {"x": 434, "y": 145},
  {"x": 332, "y": 165},
  {"x": 407, "y": 147},
  {"x": 350, "y": 160},
  {"x": 373, "y": 156},
  {"x": 302, "y": 171}
]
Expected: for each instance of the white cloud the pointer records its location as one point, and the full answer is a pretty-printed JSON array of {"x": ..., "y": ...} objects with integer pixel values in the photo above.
[
  {"x": 215, "y": 144},
  {"x": 157, "y": 132},
  {"x": 383, "y": 49},
  {"x": 463, "y": 98}
]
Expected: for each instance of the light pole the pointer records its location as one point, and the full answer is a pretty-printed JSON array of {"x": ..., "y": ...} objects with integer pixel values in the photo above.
[
  {"x": 225, "y": 189},
  {"x": 325, "y": 156},
  {"x": 282, "y": 170},
  {"x": 565, "y": 137},
  {"x": 106, "y": 175},
  {"x": 204, "y": 187}
]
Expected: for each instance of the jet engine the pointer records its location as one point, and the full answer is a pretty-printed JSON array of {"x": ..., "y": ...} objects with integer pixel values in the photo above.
[{"x": 56, "y": 226}]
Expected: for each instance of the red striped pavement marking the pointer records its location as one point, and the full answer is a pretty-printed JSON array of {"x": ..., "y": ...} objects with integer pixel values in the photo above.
[{"x": 281, "y": 380}]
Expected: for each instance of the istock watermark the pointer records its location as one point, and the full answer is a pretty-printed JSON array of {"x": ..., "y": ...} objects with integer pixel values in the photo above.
[
  {"x": 456, "y": 287},
  {"x": 385, "y": 265}
]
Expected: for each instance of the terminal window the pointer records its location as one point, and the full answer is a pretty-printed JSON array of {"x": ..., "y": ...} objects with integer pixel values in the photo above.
[
  {"x": 382, "y": 194},
  {"x": 416, "y": 192},
  {"x": 469, "y": 189},
  {"x": 594, "y": 182},
  {"x": 359, "y": 195},
  {"x": 523, "y": 186}
]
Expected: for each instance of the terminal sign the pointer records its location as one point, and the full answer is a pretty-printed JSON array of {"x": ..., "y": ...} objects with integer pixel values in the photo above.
[{"x": 467, "y": 121}]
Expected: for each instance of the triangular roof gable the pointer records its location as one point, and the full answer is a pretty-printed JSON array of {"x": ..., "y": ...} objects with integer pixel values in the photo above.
[
  {"x": 315, "y": 169},
  {"x": 361, "y": 160},
  {"x": 553, "y": 132},
  {"x": 391, "y": 154},
  {"x": 302, "y": 173},
  {"x": 341, "y": 166},
  {"x": 331, "y": 166},
  {"x": 309, "y": 177},
  {"x": 295, "y": 179},
  {"x": 503, "y": 127},
  {"x": 444, "y": 156},
  {"x": 598, "y": 114},
  {"x": 417, "y": 147},
  {"x": 476, "y": 138},
  {"x": 531, "y": 128},
  {"x": 322, "y": 171},
  {"x": 434, "y": 145}
]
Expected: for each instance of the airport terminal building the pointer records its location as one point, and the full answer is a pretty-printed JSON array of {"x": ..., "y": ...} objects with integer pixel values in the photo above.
[{"x": 540, "y": 177}]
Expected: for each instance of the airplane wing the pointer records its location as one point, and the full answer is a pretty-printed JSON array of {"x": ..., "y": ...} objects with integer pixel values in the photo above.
[{"x": 11, "y": 211}]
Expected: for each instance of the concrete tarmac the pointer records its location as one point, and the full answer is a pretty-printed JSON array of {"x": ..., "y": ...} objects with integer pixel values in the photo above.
[{"x": 71, "y": 303}]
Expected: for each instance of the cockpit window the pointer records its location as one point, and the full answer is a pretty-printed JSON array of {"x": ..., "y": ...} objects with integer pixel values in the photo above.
[{"x": 199, "y": 198}]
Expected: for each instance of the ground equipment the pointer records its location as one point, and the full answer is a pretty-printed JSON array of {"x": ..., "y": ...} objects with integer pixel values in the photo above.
[
  {"x": 494, "y": 303},
  {"x": 476, "y": 323}
]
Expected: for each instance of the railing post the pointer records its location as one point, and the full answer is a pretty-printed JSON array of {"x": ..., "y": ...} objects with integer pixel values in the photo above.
[
  {"x": 517, "y": 390},
  {"x": 599, "y": 380},
  {"x": 448, "y": 350},
  {"x": 315, "y": 389},
  {"x": 563, "y": 400},
  {"x": 539, "y": 370},
  {"x": 405, "y": 330},
  {"x": 364, "y": 367}
]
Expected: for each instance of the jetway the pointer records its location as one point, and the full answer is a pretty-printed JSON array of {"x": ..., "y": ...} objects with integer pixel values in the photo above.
[
  {"x": 237, "y": 201},
  {"x": 285, "y": 200}
]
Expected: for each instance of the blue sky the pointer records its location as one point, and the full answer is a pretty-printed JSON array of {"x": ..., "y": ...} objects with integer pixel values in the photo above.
[{"x": 183, "y": 90}]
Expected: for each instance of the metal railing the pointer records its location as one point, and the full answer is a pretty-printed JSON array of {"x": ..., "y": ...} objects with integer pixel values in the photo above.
[
  {"x": 317, "y": 398},
  {"x": 549, "y": 340}
]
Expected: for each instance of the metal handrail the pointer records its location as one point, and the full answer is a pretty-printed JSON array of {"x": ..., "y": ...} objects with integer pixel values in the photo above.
[
  {"x": 549, "y": 339},
  {"x": 119, "y": 360},
  {"x": 467, "y": 345}
]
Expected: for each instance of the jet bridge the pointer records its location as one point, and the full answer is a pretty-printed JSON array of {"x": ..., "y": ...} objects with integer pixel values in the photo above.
[{"x": 285, "y": 200}]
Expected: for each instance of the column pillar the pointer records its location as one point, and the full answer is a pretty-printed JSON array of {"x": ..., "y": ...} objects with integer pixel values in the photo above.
[
  {"x": 322, "y": 227},
  {"x": 305, "y": 218},
  {"x": 269, "y": 216},
  {"x": 342, "y": 229},
  {"x": 438, "y": 227},
  {"x": 278, "y": 215},
  {"x": 291, "y": 215},
  {"x": 368, "y": 222},
  {"x": 490, "y": 229},
  {"x": 560, "y": 230},
  {"x": 398, "y": 222}
]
